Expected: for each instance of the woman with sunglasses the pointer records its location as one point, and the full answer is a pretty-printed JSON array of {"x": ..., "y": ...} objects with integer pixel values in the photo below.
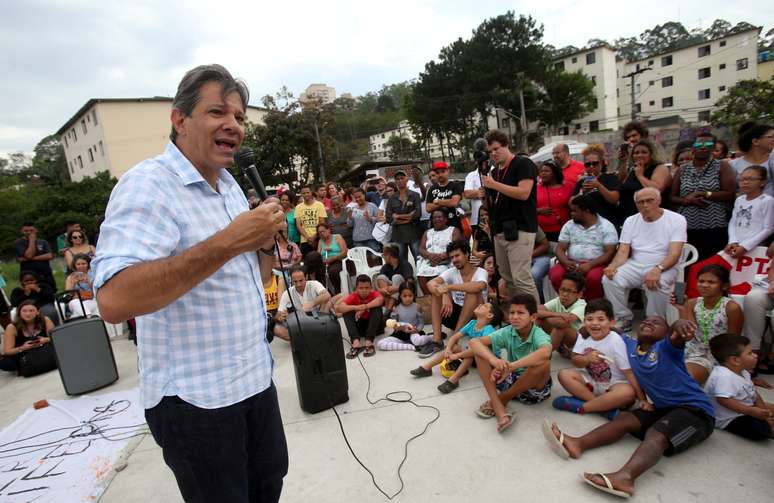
[
  {"x": 599, "y": 185},
  {"x": 553, "y": 199},
  {"x": 702, "y": 192},
  {"x": 77, "y": 245}
]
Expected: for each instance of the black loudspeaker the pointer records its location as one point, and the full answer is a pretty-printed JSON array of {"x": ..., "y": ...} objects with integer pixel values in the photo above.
[
  {"x": 318, "y": 359},
  {"x": 84, "y": 355}
]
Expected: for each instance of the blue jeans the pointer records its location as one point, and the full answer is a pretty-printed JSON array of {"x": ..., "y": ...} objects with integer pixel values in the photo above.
[
  {"x": 236, "y": 453},
  {"x": 540, "y": 267},
  {"x": 404, "y": 248}
]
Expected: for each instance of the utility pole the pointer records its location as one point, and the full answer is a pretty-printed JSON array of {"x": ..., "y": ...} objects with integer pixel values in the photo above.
[{"x": 631, "y": 76}]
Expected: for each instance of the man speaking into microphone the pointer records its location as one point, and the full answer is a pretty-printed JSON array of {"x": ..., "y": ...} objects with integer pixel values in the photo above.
[{"x": 177, "y": 251}]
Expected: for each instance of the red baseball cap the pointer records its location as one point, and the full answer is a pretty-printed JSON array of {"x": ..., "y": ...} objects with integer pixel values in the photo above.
[{"x": 439, "y": 165}]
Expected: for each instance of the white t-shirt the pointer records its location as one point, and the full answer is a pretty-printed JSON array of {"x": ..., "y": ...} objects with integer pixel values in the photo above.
[
  {"x": 723, "y": 383},
  {"x": 611, "y": 346},
  {"x": 473, "y": 182},
  {"x": 452, "y": 276},
  {"x": 311, "y": 291},
  {"x": 414, "y": 188},
  {"x": 752, "y": 221},
  {"x": 650, "y": 240}
]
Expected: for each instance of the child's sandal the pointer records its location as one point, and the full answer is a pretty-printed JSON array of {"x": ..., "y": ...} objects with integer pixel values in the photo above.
[{"x": 353, "y": 352}]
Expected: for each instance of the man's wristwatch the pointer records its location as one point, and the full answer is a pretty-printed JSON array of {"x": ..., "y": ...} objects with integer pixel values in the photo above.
[
  {"x": 708, "y": 194},
  {"x": 660, "y": 267}
]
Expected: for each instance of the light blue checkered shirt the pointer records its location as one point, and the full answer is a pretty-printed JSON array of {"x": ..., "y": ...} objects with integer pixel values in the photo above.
[{"x": 209, "y": 346}]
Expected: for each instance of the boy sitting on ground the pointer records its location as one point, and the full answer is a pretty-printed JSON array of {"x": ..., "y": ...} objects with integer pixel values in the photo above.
[
  {"x": 487, "y": 317},
  {"x": 683, "y": 415},
  {"x": 739, "y": 408},
  {"x": 362, "y": 313},
  {"x": 603, "y": 380},
  {"x": 562, "y": 316},
  {"x": 524, "y": 373}
]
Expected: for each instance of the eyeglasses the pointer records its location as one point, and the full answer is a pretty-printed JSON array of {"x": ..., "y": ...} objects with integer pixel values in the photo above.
[
  {"x": 647, "y": 200},
  {"x": 590, "y": 164},
  {"x": 706, "y": 144},
  {"x": 76, "y": 236}
]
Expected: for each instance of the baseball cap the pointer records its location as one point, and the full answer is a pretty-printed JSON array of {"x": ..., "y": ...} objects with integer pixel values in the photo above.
[{"x": 439, "y": 165}]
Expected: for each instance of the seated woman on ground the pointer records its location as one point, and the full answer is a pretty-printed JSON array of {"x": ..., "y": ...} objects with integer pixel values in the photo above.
[
  {"x": 433, "y": 259},
  {"x": 289, "y": 255},
  {"x": 77, "y": 245},
  {"x": 333, "y": 250},
  {"x": 79, "y": 280},
  {"x": 29, "y": 330},
  {"x": 713, "y": 313},
  {"x": 31, "y": 288},
  {"x": 495, "y": 284}
]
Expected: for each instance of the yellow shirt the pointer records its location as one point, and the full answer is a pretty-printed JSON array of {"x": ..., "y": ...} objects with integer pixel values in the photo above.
[
  {"x": 308, "y": 216},
  {"x": 271, "y": 294}
]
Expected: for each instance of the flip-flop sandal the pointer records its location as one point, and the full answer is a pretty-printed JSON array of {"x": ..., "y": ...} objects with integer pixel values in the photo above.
[
  {"x": 369, "y": 351},
  {"x": 502, "y": 427},
  {"x": 607, "y": 488},
  {"x": 353, "y": 352},
  {"x": 485, "y": 411},
  {"x": 557, "y": 444}
]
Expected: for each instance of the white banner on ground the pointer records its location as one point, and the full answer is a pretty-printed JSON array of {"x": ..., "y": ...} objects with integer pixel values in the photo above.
[{"x": 68, "y": 451}]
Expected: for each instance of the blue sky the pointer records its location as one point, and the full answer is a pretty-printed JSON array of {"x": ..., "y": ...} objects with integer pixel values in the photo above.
[{"x": 57, "y": 54}]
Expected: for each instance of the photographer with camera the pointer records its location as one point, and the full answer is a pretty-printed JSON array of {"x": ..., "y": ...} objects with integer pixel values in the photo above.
[{"x": 513, "y": 195}]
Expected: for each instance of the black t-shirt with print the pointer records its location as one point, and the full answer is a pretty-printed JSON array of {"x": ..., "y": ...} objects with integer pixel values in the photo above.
[
  {"x": 504, "y": 208},
  {"x": 452, "y": 188}
]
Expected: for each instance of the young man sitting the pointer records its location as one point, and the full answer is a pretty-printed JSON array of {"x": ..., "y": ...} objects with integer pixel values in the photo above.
[
  {"x": 393, "y": 273},
  {"x": 562, "y": 317},
  {"x": 309, "y": 296},
  {"x": 680, "y": 417},
  {"x": 454, "y": 295},
  {"x": 524, "y": 373},
  {"x": 362, "y": 312}
]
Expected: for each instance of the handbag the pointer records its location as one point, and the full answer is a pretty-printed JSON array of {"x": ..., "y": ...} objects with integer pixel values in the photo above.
[
  {"x": 382, "y": 232},
  {"x": 37, "y": 360}
]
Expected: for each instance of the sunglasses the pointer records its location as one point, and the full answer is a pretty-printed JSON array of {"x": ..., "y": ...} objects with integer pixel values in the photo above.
[
  {"x": 76, "y": 236},
  {"x": 706, "y": 144},
  {"x": 589, "y": 164}
]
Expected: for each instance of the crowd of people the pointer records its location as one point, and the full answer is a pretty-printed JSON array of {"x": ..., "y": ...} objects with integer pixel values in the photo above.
[{"x": 593, "y": 232}]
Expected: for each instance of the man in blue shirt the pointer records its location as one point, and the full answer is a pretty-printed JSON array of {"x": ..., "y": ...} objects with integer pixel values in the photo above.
[
  {"x": 177, "y": 251},
  {"x": 681, "y": 414}
]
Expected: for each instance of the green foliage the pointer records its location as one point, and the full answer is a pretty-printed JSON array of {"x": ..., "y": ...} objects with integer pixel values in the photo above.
[
  {"x": 49, "y": 163},
  {"x": 401, "y": 148},
  {"x": 566, "y": 96},
  {"x": 748, "y": 100},
  {"x": 49, "y": 207}
]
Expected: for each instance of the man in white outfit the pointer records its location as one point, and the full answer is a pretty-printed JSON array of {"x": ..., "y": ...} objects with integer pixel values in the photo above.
[{"x": 650, "y": 246}]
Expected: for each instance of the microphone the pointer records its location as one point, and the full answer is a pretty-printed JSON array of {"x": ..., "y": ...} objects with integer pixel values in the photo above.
[{"x": 245, "y": 160}]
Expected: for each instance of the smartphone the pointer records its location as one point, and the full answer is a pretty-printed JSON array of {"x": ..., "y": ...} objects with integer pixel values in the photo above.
[{"x": 680, "y": 292}]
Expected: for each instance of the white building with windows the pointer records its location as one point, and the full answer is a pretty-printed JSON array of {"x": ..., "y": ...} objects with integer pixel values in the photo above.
[
  {"x": 114, "y": 134},
  {"x": 686, "y": 82},
  {"x": 318, "y": 92}
]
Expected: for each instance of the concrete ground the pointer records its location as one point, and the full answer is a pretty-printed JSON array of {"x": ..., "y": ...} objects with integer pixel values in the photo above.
[{"x": 461, "y": 458}]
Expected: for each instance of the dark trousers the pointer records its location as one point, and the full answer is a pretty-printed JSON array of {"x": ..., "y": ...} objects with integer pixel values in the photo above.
[
  {"x": 708, "y": 241},
  {"x": 234, "y": 454},
  {"x": 404, "y": 249},
  {"x": 749, "y": 427},
  {"x": 365, "y": 328},
  {"x": 9, "y": 363}
]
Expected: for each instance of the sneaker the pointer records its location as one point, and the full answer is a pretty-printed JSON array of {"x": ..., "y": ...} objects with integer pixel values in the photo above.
[
  {"x": 421, "y": 372},
  {"x": 430, "y": 349},
  {"x": 448, "y": 386}
]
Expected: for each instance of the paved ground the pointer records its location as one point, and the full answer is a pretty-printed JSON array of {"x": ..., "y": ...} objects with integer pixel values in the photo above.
[{"x": 461, "y": 458}]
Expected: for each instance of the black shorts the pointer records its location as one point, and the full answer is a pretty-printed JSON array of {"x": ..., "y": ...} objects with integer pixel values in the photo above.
[
  {"x": 450, "y": 322},
  {"x": 683, "y": 426}
]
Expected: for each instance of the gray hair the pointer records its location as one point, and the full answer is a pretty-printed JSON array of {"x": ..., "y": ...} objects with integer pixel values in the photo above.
[
  {"x": 651, "y": 190},
  {"x": 187, "y": 95}
]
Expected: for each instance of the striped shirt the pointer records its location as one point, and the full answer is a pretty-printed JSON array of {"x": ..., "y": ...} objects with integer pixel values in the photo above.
[
  {"x": 209, "y": 346},
  {"x": 703, "y": 180}
]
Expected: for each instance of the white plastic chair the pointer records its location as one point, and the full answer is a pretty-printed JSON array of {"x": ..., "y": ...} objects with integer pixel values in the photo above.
[{"x": 358, "y": 256}]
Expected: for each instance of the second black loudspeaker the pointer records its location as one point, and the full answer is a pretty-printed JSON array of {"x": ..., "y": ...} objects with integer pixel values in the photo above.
[{"x": 318, "y": 361}]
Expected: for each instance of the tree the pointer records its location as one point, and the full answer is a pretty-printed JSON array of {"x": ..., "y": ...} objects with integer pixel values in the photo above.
[
  {"x": 748, "y": 100},
  {"x": 565, "y": 97},
  {"x": 49, "y": 163},
  {"x": 400, "y": 148},
  {"x": 718, "y": 29}
]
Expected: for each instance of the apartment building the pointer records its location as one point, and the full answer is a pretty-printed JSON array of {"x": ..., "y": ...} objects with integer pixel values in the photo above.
[
  {"x": 687, "y": 82},
  {"x": 114, "y": 134},
  {"x": 599, "y": 64},
  {"x": 684, "y": 83},
  {"x": 318, "y": 92}
]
